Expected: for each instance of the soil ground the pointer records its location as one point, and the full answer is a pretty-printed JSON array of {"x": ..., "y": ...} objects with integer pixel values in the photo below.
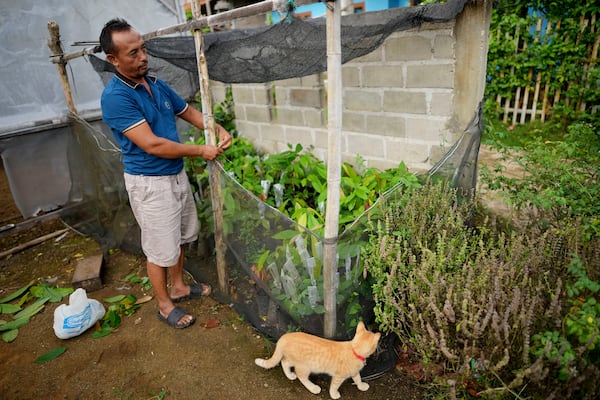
[{"x": 143, "y": 358}]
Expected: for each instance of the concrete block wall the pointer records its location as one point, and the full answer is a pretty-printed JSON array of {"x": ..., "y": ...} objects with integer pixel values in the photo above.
[{"x": 399, "y": 102}]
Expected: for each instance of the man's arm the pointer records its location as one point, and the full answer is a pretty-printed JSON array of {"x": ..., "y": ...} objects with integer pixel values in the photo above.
[
  {"x": 145, "y": 139},
  {"x": 196, "y": 118}
]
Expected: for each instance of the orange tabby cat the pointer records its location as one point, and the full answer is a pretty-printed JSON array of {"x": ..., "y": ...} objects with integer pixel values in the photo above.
[{"x": 311, "y": 354}]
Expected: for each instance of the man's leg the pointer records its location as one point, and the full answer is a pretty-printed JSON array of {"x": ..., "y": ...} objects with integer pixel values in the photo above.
[
  {"x": 158, "y": 278},
  {"x": 178, "y": 286}
]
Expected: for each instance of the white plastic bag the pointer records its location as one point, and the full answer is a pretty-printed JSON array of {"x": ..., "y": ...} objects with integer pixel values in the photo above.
[{"x": 78, "y": 316}]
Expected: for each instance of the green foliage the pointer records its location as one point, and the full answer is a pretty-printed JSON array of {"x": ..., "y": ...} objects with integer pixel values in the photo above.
[
  {"x": 224, "y": 115},
  {"x": 16, "y": 293},
  {"x": 560, "y": 55},
  {"x": 50, "y": 355},
  {"x": 43, "y": 293},
  {"x": 294, "y": 182},
  {"x": 523, "y": 307},
  {"x": 580, "y": 333},
  {"x": 143, "y": 281},
  {"x": 583, "y": 320},
  {"x": 304, "y": 181},
  {"x": 560, "y": 179},
  {"x": 224, "y": 112},
  {"x": 121, "y": 306}
]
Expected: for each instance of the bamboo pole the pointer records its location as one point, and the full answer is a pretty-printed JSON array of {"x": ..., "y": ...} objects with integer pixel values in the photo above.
[
  {"x": 61, "y": 64},
  {"x": 210, "y": 137},
  {"x": 334, "y": 162},
  {"x": 32, "y": 243}
]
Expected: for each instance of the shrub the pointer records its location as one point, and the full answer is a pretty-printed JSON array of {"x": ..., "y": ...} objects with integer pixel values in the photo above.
[
  {"x": 490, "y": 309},
  {"x": 560, "y": 181}
]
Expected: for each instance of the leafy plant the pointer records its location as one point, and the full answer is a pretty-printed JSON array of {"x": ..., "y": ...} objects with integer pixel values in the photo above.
[
  {"x": 575, "y": 346},
  {"x": 121, "y": 305},
  {"x": 560, "y": 179},
  {"x": 559, "y": 57},
  {"x": 21, "y": 316},
  {"x": 143, "y": 281}
]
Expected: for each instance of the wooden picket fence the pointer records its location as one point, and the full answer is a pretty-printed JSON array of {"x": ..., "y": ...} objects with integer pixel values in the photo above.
[{"x": 537, "y": 99}]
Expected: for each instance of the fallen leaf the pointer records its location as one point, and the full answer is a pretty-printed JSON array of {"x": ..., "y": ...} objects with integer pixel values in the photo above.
[
  {"x": 212, "y": 323},
  {"x": 16, "y": 293},
  {"x": 11, "y": 335},
  {"x": 9, "y": 308},
  {"x": 51, "y": 355},
  {"x": 143, "y": 299},
  {"x": 115, "y": 299},
  {"x": 15, "y": 324}
]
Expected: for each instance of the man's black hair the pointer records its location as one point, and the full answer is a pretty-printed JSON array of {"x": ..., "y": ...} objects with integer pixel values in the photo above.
[{"x": 114, "y": 25}]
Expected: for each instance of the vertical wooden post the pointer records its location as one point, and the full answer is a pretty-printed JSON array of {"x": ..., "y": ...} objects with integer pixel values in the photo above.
[
  {"x": 57, "y": 58},
  {"x": 334, "y": 165},
  {"x": 209, "y": 134}
]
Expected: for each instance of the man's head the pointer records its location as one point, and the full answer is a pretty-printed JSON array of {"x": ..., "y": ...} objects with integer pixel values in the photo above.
[{"x": 124, "y": 48}]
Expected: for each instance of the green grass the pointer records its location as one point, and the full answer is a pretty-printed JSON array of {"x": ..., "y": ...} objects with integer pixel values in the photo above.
[{"x": 519, "y": 136}]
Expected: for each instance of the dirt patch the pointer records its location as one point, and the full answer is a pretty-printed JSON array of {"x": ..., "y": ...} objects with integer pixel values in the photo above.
[{"x": 144, "y": 358}]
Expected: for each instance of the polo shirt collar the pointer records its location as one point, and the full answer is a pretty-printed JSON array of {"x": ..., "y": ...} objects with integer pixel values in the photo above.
[{"x": 130, "y": 83}]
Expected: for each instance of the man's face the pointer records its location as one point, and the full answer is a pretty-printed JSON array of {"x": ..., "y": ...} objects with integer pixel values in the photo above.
[{"x": 131, "y": 58}]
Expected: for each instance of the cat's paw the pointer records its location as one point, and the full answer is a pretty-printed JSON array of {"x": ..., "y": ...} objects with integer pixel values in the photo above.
[
  {"x": 334, "y": 394},
  {"x": 314, "y": 389},
  {"x": 290, "y": 375},
  {"x": 363, "y": 386},
  {"x": 260, "y": 362}
]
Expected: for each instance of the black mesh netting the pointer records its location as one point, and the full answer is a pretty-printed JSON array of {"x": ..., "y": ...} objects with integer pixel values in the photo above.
[
  {"x": 290, "y": 49},
  {"x": 284, "y": 292}
]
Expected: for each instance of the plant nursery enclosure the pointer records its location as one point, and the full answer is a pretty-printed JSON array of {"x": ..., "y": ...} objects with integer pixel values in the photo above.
[{"x": 282, "y": 257}]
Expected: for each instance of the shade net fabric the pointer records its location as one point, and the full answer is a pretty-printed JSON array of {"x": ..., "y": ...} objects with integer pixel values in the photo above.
[
  {"x": 275, "y": 265},
  {"x": 279, "y": 282},
  {"x": 292, "y": 48}
]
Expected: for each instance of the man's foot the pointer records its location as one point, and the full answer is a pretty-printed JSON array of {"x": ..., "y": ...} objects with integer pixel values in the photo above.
[
  {"x": 196, "y": 291},
  {"x": 177, "y": 318}
]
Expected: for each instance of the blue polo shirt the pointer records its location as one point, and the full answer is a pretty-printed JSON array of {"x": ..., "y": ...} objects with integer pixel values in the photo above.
[{"x": 126, "y": 104}]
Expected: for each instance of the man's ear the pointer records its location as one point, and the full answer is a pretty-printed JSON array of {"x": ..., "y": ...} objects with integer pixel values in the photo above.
[{"x": 112, "y": 59}]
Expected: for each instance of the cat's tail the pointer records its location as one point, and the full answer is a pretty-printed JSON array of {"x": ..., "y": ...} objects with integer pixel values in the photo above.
[{"x": 271, "y": 362}]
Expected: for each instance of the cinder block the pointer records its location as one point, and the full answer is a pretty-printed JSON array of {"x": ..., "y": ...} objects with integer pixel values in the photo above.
[
  {"x": 87, "y": 273},
  {"x": 383, "y": 76},
  {"x": 430, "y": 76},
  {"x": 243, "y": 94},
  {"x": 306, "y": 97},
  {"x": 404, "y": 102},
  {"x": 408, "y": 48},
  {"x": 362, "y": 100}
]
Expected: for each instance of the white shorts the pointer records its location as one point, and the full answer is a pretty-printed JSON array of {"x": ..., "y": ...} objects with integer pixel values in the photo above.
[{"x": 166, "y": 213}]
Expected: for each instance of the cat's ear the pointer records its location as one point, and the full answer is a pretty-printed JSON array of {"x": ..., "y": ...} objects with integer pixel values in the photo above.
[{"x": 360, "y": 327}]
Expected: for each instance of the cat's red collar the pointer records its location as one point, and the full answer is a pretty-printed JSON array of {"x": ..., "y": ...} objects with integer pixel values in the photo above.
[{"x": 361, "y": 358}]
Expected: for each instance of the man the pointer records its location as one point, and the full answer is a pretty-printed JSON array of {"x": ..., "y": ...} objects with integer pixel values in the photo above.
[{"x": 140, "y": 110}]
